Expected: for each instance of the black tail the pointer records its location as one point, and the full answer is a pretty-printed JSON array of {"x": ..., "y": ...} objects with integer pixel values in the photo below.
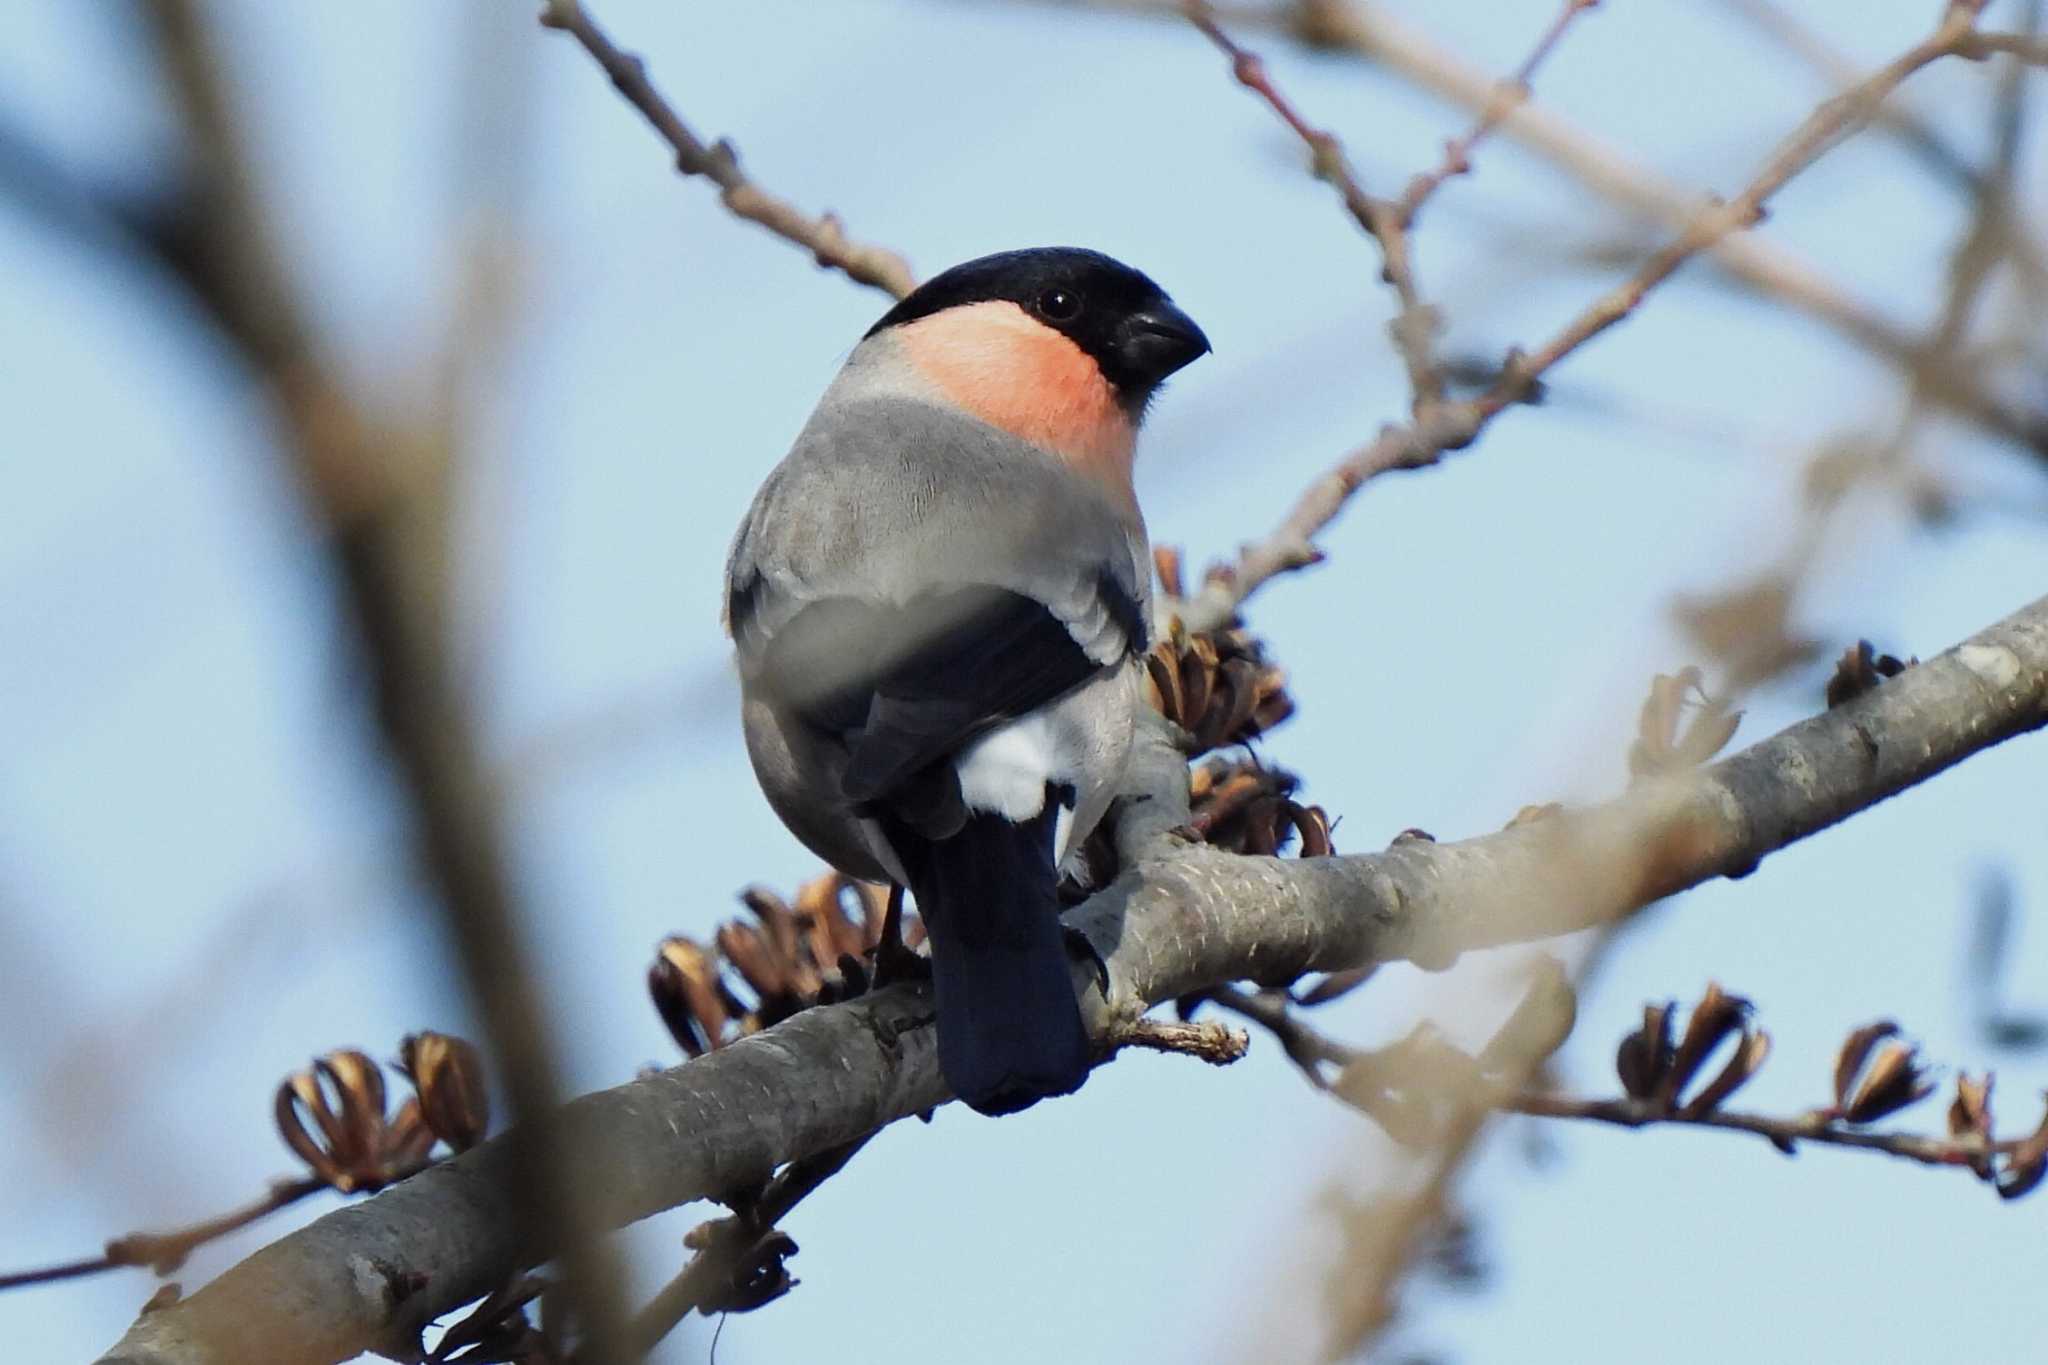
[{"x": 1010, "y": 1031}]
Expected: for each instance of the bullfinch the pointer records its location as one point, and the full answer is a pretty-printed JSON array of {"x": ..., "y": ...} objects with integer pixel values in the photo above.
[{"x": 939, "y": 601}]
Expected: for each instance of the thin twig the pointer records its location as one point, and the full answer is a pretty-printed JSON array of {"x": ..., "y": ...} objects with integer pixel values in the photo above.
[
  {"x": 1313, "y": 1050},
  {"x": 1415, "y": 325},
  {"x": 164, "y": 1252},
  {"x": 1452, "y": 425},
  {"x": 1783, "y": 1133},
  {"x": 1508, "y": 96},
  {"x": 1307, "y": 1047},
  {"x": 823, "y": 236},
  {"x": 1379, "y": 35},
  {"x": 2029, "y": 48},
  {"x": 1206, "y": 1040},
  {"x": 711, "y": 1275}
]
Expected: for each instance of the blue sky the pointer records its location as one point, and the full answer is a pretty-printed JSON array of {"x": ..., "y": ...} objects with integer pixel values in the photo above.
[{"x": 203, "y": 883}]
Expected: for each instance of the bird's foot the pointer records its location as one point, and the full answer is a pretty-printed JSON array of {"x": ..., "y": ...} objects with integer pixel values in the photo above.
[
  {"x": 894, "y": 959},
  {"x": 1080, "y": 945}
]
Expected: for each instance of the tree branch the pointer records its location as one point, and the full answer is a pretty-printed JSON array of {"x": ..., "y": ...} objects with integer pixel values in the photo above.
[
  {"x": 1377, "y": 34},
  {"x": 1183, "y": 918},
  {"x": 1440, "y": 426},
  {"x": 824, "y": 236}
]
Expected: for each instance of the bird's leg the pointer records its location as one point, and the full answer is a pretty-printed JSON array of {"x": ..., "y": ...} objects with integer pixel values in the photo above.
[{"x": 894, "y": 960}]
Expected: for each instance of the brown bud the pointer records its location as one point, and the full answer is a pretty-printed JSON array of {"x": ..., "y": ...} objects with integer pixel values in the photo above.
[
  {"x": 1660, "y": 747},
  {"x": 1717, "y": 1016},
  {"x": 1893, "y": 1079},
  {"x": 1749, "y": 1058},
  {"x": 1644, "y": 1056},
  {"x": 448, "y": 1074},
  {"x": 1860, "y": 669},
  {"x": 1855, "y": 1052},
  {"x": 1969, "y": 1114}
]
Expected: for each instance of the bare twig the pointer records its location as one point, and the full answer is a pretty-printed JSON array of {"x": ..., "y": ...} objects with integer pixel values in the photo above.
[
  {"x": 1415, "y": 324},
  {"x": 1508, "y": 95},
  {"x": 731, "y": 1247},
  {"x": 1206, "y": 1040},
  {"x": 1452, "y": 425},
  {"x": 823, "y": 236},
  {"x": 1784, "y": 1133},
  {"x": 1378, "y": 34},
  {"x": 164, "y": 1252},
  {"x": 2029, "y": 48}
]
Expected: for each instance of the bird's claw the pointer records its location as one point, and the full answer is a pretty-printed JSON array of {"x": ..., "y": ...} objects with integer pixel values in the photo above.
[{"x": 1080, "y": 944}]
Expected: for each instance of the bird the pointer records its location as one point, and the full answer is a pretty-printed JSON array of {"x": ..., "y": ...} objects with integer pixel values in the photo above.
[{"x": 940, "y": 601}]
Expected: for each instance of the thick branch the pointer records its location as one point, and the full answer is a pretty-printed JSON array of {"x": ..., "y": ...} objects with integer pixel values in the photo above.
[{"x": 1182, "y": 919}]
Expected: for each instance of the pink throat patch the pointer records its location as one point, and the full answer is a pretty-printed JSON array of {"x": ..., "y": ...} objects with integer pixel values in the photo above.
[{"x": 996, "y": 362}]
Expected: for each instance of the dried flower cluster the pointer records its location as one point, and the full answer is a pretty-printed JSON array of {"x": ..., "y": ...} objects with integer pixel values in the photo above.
[
  {"x": 332, "y": 1114},
  {"x": 1661, "y": 745},
  {"x": 1877, "y": 1074},
  {"x": 813, "y": 949},
  {"x": 1246, "y": 807},
  {"x": 1217, "y": 686},
  {"x": 1657, "y": 1071}
]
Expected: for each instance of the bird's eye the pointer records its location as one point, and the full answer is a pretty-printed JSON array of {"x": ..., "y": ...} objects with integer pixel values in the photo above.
[{"x": 1059, "y": 305}]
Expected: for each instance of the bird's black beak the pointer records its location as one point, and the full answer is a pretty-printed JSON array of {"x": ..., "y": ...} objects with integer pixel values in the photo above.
[{"x": 1158, "y": 340}]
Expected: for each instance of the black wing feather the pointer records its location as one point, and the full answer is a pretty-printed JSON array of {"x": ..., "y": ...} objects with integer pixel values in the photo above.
[{"x": 908, "y": 686}]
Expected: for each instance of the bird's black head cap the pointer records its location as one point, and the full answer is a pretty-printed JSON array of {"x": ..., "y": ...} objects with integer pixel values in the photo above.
[{"x": 1116, "y": 315}]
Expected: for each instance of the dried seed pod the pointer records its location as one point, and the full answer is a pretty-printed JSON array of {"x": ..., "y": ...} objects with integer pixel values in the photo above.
[
  {"x": 1717, "y": 1016},
  {"x": 1660, "y": 746},
  {"x": 1860, "y": 669},
  {"x": 448, "y": 1074},
  {"x": 1969, "y": 1119},
  {"x": 1644, "y": 1057},
  {"x": 343, "y": 1096},
  {"x": 784, "y": 930},
  {"x": 1854, "y": 1053},
  {"x": 1969, "y": 1113},
  {"x": 747, "y": 951},
  {"x": 1893, "y": 1079},
  {"x": 1217, "y": 686},
  {"x": 1750, "y": 1056},
  {"x": 689, "y": 996}
]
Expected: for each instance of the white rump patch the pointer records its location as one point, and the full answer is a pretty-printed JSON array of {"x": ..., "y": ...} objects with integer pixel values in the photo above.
[{"x": 1006, "y": 770}]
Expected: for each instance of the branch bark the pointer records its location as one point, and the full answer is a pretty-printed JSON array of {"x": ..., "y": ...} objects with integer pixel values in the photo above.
[{"x": 1182, "y": 918}]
